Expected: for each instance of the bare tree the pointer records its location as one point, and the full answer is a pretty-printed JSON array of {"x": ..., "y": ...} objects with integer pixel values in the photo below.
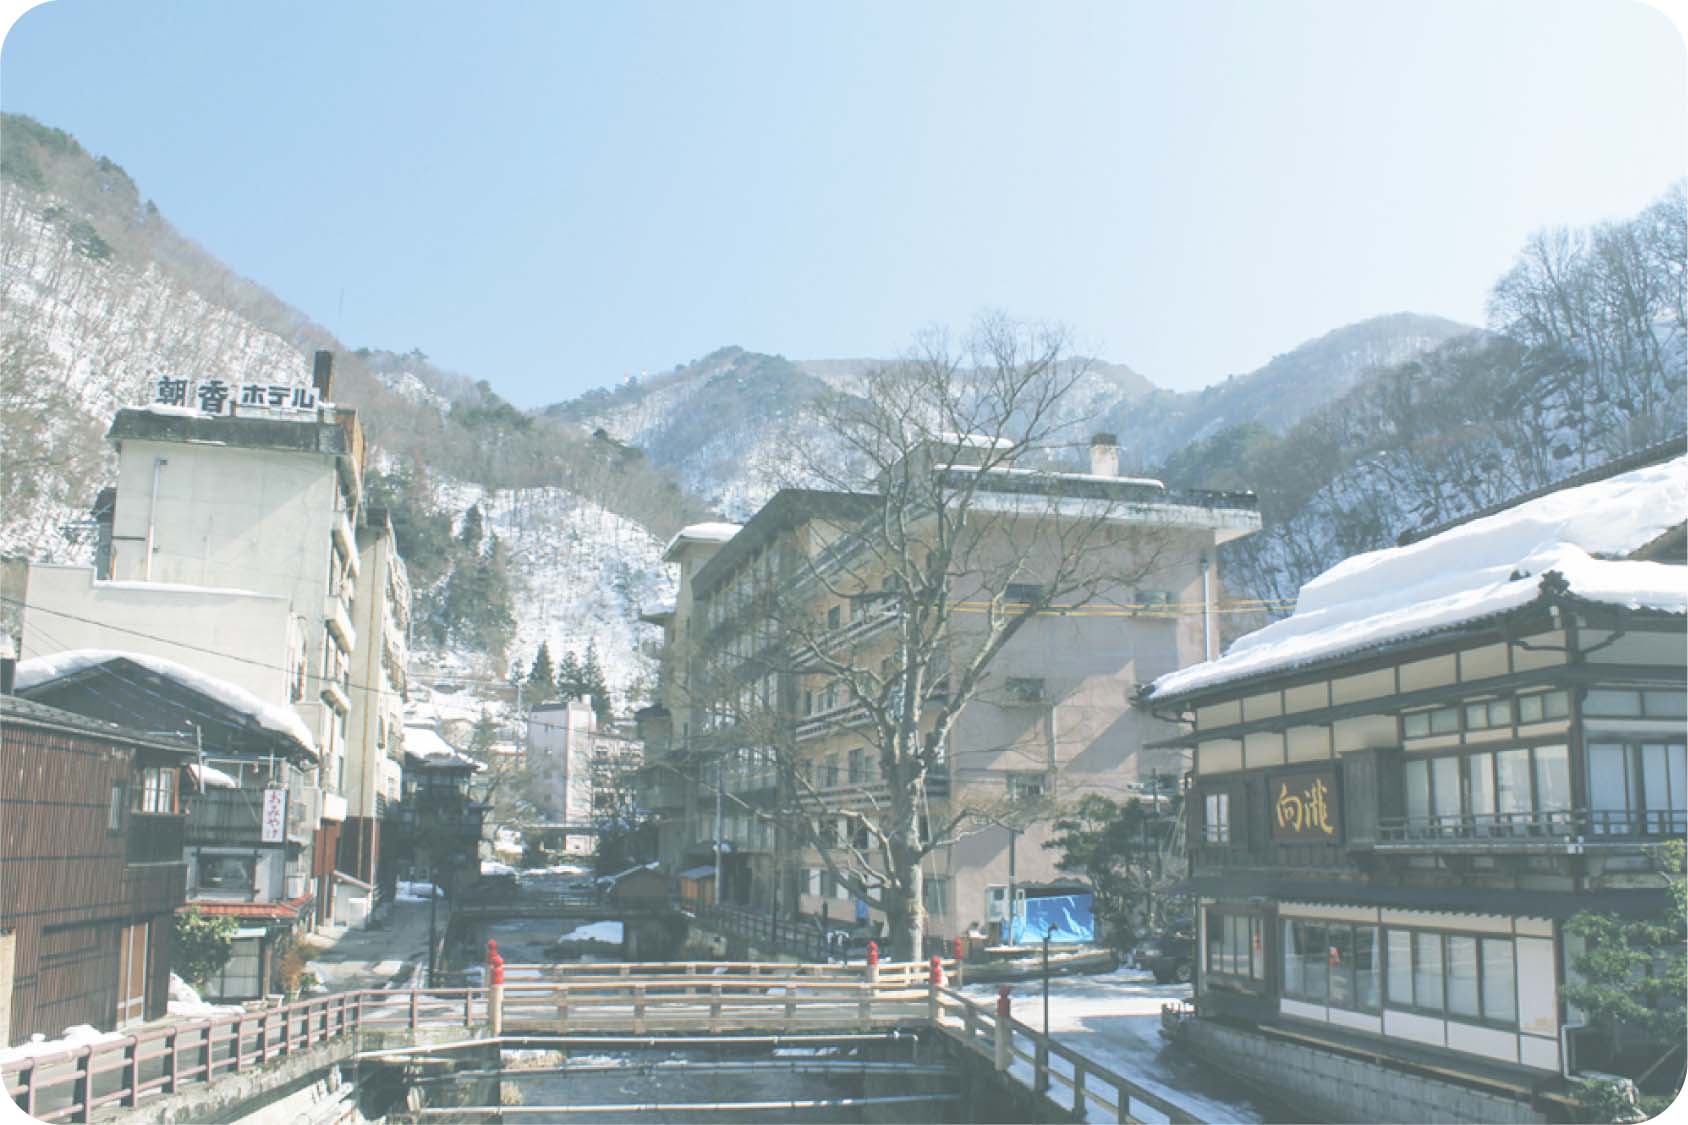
[{"x": 936, "y": 549}]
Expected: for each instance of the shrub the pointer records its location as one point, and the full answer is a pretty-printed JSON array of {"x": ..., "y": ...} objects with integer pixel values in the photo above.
[{"x": 203, "y": 945}]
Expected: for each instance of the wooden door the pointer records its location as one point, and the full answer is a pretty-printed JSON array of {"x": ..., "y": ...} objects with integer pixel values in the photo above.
[{"x": 132, "y": 973}]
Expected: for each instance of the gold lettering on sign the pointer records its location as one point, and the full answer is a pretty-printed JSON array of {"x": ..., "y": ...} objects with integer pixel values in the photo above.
[{"x": 1306, "y": 809}]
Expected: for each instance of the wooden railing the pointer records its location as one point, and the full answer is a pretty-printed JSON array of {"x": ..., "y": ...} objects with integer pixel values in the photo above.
[
  {"x": 1044, "y": 1063},
  {"x": 698, "y": 997}
]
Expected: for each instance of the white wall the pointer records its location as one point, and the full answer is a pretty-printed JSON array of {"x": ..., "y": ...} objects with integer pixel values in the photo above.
[{"x": 234, "y": 635}]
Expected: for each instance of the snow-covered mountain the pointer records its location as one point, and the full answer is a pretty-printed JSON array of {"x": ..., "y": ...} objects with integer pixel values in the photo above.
[{"x": 730, "y": 424}]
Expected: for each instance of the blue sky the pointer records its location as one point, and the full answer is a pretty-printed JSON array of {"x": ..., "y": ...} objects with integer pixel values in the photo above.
[{"x": 552, "y": 195}]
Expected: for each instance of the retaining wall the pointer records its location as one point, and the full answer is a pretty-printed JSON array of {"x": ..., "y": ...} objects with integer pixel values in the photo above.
[{"x": 1328, "y": 1086}]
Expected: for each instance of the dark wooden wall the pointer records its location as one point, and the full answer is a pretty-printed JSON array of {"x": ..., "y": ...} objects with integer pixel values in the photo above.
[{"x": 65, "y": 888}]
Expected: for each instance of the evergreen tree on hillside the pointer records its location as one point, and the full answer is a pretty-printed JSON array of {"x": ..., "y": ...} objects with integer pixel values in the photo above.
[
  {"x": 473, "y": 528},
  {"x": 542, "y": 678},
  {"x": 483, "y": 736},
  {"x": 477, "y": 609},
  {"x": 593, "y": 684},
  {"x": 568, "y": 676}
]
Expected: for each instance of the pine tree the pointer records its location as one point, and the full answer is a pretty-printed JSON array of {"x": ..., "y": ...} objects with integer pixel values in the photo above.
[
  {"x": 483, "y": 736},
  {"x": 593, "y": 684},
  {"x": 542, "y": 678},
  {"x": 472, "y": 530},
  {"x": 568, "y": 676}
]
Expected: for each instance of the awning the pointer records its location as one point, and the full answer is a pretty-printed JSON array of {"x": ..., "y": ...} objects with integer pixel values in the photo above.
[
  {"x": 706, "y": 872},
  {"x": 1457, "y": 900}
]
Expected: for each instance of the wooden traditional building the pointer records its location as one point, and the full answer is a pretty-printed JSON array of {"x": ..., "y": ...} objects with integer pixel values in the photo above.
[
  {"x": 1403, "y": 791},
  {"x": 91, "y": 868},
  {"x": 248, "y": 834}
]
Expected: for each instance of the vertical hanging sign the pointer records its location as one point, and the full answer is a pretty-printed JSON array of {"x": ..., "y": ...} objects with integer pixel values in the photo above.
[{"x": 274, "y": 822}]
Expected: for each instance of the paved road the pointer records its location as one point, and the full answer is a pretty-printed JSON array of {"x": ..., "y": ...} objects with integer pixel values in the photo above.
[
  {"x": 1114, "y": 1018},
  {"x": 379, "y": 955}
]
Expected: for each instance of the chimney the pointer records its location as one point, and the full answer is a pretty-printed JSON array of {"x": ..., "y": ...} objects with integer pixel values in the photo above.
[
  {"x": 1104, "y": 455},
  {"x": 322, "y": 376}
]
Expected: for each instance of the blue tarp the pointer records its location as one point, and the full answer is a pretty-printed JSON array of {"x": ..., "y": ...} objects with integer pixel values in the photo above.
[{"x": 1062, "y": 917}]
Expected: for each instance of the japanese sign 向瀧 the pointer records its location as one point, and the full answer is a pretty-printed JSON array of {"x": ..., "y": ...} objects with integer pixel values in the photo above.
[{"x": 1304, "y": 805}]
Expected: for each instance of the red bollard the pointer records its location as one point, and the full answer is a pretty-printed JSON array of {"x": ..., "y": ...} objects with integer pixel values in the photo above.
[
  {"x": 935, "y": 973},
  {"x": 495, "y": 988},
  {"x": 873, "y": 953},
  {"x": 956, "y": 945},
  {"x": 958, "y": 960},
  {"x": 1003, "y": 1033}
]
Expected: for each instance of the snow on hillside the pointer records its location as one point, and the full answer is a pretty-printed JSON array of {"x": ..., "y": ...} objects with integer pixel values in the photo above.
[
  {"x": 101, "y": 329},
  {"x": 580, "y": 574}
]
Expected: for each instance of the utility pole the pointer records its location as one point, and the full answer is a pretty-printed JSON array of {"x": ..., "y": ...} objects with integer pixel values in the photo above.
[
  {"x": 1013, "y": 839},
  {"x": 433, "y": 901},
  {"x": 717, "y": 831},
  {"x": 1207, "y": 610}
]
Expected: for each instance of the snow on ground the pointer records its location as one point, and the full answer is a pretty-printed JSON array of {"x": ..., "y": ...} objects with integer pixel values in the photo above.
[
  {"x": 185, "y": 1001},
  {"x": 594, "y": 931},
  {"x": 272, "y": 716},
  {"x": 493, "y": 867},
  {"x": 1473, "y": 570},
  {"x": 69, "y": 1040},
  {"x": 1114, "y": 1019},
  {"x": 418, "y": 892}
]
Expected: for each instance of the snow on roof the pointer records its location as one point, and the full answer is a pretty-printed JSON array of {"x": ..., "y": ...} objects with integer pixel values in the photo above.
[
  {"x": 210, "y": 777},
  {"x": 275, "y": 717},
  {"x": 426, "y": 743},
  {"x": 975, "y": 441},
  {"x": 702, "y": 533},
  {"x": 1473, "y": 570}
]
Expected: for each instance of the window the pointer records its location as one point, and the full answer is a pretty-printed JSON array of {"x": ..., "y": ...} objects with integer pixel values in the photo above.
[
  {"x": 1635, "y": 703},
  {"x": 1419, "y": 724},
  {"x": 832, "y": 616},
  {"x": 1332, "y": 963},
  {"x": 114, "y": 811},
  {"x": 1637, "y": 787},
  {"x": 1025, "y": 689},
  {"x": 935, "y": 893},
  {"x": 1216, "y": 821},
  {"x": 1026, "y": 786},
  {"x": 858, "y": 767},
  {"x": 227, "y": 873},
  {"x": 1234, "y": 944},
  {"x": 1494, "y": 713},
  {"x": 1542, "y": 706},
  {"x": 1469, "y": 977},
  {"x": 1488, "y": 792},
  {"x": 157, "y": 790},
  {"x": 1023, "y": 593}
]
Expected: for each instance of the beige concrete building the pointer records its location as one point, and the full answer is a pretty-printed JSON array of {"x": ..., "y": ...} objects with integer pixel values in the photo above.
[
  {"x": 235, "y": 543},
  {"x": 1052, "y": 720}
]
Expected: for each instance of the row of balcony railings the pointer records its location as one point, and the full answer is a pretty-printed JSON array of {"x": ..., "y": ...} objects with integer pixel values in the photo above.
[{"x": 1540, "y": 824}]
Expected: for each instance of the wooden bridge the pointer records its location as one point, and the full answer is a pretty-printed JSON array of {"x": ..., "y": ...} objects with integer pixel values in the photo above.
[{"x": 601, "y": 1000}]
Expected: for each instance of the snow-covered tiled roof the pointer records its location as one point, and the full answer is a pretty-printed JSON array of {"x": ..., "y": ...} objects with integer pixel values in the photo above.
[
  {"x": 1474, "y": 570},
  {"x": 426, "y": 743},
  {"x": 277, "y": 717},
  {"x": 702, "y": 533}
]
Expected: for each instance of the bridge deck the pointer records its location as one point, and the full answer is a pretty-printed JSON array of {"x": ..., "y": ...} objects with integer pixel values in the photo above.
[{"x": 712, "y": 999}]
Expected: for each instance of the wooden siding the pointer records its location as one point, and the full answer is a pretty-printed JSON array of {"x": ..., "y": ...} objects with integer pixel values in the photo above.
[{"x": 67, "y": 886}]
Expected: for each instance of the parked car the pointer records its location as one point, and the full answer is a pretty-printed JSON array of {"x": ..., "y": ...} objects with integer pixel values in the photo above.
[{"x": 1170, "y": 956}]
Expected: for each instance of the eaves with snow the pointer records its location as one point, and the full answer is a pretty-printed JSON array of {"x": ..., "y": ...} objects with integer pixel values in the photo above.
[
  {"x": 1577, "y": 541},
  {"x": 426, "y": 745},
  {"x": 700, "y": 533},
  {"x": 39, "y": 671}
]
